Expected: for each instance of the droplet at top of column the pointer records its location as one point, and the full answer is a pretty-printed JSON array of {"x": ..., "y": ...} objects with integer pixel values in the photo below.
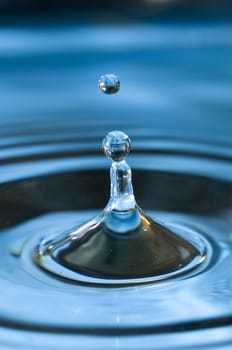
[{"x": 116, "y": 145}]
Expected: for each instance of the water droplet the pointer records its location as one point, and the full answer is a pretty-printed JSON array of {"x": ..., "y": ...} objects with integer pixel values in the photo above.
[
  {"x": 109, "y": 84},
  {"x": 116, "y": 145}
]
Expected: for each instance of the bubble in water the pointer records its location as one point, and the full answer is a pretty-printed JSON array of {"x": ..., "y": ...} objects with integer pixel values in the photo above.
[
  {"x": 116, "y": 145},
  {"x": 109, "y": 84}
]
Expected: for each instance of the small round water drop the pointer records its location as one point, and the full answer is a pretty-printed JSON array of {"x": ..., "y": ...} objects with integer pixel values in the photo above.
[
  {"x": 109, "y": 84},
  {"x": 116, "y": 145}
]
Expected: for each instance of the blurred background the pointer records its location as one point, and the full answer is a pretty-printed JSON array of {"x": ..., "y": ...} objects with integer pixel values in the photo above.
[
  {"x": 108, "y": 11},
  {"x": 173, "y": 59}
]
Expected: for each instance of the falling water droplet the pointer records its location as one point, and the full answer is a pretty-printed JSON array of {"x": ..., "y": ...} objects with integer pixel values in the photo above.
[{"x": 109, "y": 84}]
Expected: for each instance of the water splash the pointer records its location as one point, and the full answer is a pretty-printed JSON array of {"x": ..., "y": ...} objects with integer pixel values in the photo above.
[{"x": 121, "y": 245}]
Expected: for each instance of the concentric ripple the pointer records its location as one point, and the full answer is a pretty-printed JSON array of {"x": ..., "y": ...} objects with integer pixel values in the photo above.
[{"x": 48, "y": 184}]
